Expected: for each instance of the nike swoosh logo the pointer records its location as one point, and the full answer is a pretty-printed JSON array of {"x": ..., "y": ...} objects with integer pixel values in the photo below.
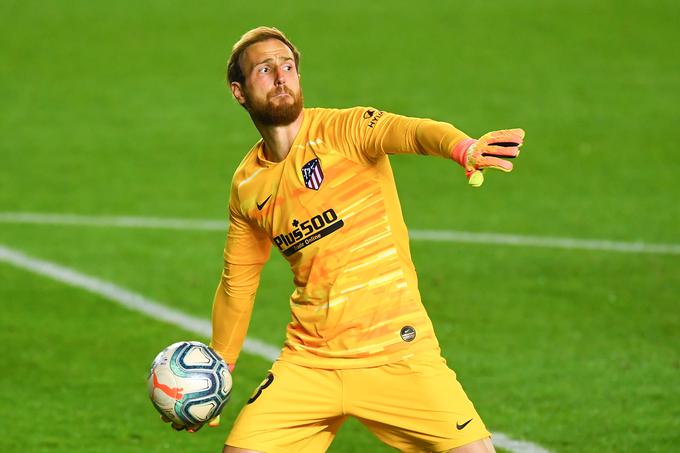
[
  {"x": 260, "y": 206},
  {"x": 459, "y": 426}
]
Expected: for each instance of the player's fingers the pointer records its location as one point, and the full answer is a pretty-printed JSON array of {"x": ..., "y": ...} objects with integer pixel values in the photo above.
[
  {"x": 494, "y": 162},
  {"x": 177, "y": 426},
  {"x": 504, "y": 137},
  {"x": 475, "y": 178},
  {"x": 215, "y": 422},
  {"x": 193, "y": 429},
  {"x": 165, "y": 419}
]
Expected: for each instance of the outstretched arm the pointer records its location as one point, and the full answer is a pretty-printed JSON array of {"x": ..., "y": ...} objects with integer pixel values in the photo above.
[{"x": 376, "y": 133}]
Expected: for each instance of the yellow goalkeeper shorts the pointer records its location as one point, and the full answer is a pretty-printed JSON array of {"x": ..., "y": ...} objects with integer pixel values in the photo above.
[{"x": 413, "y": 405}]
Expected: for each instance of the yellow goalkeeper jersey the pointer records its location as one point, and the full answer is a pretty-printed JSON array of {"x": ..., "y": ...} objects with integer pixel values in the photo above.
[{"x": 331, "y": 209}]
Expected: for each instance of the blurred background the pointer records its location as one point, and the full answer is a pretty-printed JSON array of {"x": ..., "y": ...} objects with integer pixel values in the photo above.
[{"x": 121, "y": 109}]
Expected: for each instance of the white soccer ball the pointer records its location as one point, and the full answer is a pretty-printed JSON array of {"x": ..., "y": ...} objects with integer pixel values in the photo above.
[{"x": 189, "y": 383}]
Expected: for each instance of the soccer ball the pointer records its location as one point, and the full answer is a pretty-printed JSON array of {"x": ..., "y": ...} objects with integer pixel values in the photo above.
[{"x": 188, "y": 383}]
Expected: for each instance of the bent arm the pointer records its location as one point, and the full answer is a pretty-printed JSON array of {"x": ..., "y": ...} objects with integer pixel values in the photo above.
[{"x": 369, "y": 134}]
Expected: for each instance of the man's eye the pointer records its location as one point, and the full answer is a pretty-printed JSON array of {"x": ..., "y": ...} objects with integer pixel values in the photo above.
[
  {"x": 263, "y": 70},
  {"x": 288, "y": 67}
]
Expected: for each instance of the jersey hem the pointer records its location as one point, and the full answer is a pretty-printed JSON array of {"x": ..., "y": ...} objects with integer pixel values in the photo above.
[{"x": 329, "y": 363}]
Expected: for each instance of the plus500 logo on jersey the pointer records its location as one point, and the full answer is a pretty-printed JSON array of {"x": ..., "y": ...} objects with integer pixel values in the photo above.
[{"x": 308, "y": 231}]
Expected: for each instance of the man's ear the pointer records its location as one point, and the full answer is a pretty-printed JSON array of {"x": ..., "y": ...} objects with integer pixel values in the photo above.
[{"x": 237, "y": 92}]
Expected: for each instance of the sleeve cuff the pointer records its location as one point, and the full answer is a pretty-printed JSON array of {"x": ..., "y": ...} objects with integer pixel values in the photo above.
[{"x": 458, "y": 152}]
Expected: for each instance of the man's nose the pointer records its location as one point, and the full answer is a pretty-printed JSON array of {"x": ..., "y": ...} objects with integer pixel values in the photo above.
[{"x": 280, "y": 76}]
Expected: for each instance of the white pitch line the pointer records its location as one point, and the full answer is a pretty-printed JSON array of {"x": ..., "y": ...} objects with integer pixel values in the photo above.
[
  {"x": 465, "y": 237},
  {"x": 113, "y": 221},
  {"x": 519, "y": 446},
  {"x": 545, "y": 241},
  {"x": 158, "y": 311},
  {"x": 127, "y": 298}
]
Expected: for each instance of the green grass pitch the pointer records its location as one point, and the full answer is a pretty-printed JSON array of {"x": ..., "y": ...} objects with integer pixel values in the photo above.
[{"x": 120, "y": 108}]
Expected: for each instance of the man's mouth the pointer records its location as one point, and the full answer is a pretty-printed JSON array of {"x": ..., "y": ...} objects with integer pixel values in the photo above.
[{"x": 281, "y": 93}]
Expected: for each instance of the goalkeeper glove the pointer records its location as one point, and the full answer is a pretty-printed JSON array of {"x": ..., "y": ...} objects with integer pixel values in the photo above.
[
  {"x": 477, "y": 155},
  {"x": 213, "y": 423}
]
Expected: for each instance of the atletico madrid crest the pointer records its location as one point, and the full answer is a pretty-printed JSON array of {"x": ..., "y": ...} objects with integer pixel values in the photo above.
[{"x": 312, "y": 174}]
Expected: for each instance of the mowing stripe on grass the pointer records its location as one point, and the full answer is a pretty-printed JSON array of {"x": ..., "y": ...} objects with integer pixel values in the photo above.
[
  {"x": 416, "y": 235},
  {"x": 158, "y": 311}
]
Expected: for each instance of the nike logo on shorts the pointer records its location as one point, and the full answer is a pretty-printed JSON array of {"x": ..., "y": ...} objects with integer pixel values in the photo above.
[{"x": 459, "y": 426}]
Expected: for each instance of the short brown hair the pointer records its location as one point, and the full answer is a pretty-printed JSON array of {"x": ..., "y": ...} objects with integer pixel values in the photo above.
[{"x": 234, "y": 71}]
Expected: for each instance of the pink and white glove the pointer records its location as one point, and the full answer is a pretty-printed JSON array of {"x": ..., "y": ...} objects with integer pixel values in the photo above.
[{"x": 488, "y": 152}]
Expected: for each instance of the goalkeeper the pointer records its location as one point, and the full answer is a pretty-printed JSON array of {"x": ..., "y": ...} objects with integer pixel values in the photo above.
[{"x": 319, "y": 189}]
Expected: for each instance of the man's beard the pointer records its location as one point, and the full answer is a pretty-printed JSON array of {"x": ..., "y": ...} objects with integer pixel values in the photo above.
[{"x": 269, "y": 114}]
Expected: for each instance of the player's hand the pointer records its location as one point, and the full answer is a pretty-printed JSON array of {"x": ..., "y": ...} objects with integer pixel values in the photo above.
[
  {"x": 490, "y": 151},
  {"x": 177, "y": 426},
  {"x": 213, "y": 423}
]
